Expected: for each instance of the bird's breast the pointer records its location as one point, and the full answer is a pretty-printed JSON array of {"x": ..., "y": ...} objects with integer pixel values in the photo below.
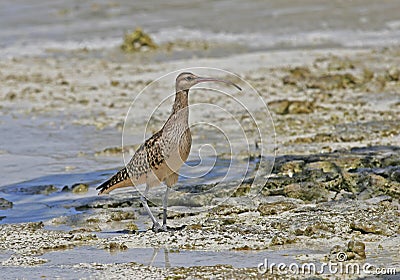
[
  {"x": 185, "y": 144},
  {"x": 177, "y": 147}
]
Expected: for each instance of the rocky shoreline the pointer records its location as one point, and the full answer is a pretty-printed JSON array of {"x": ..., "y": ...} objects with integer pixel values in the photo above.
[{"x": 318, "y": 202}]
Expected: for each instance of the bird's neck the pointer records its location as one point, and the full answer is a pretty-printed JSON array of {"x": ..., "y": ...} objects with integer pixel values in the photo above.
[
  {"x": 181, "y": 102},
  {"x": 179, "y": 117}
]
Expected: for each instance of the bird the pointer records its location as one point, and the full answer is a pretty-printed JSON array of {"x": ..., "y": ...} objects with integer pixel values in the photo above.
[{"x": 160, "y": 157}]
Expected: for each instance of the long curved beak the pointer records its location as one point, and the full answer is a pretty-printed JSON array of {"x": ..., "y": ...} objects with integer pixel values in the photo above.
[{"x": 206, "y": 79}]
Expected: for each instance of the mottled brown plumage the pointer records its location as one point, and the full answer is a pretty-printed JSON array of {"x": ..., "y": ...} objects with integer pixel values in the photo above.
[{"x": 160, "y": 157}]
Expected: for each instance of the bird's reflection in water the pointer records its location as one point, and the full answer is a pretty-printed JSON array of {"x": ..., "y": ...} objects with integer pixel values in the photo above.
[{"x": 166, "y": 257}]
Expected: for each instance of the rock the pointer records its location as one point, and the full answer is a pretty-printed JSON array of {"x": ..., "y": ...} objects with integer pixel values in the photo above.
[
  {"x": 115, "y": 246},
  {"x": 354, "y": 250},
  {"x": 276, "y": 207},
  {"x": 282, "y": 239},
  {"x": 344, "y": 195},
  {"x": 292, "y": 167},
  {"x": 365, "y": 227},
  {"x": 228, "y": 221},
  {"x": 137, "y": 41},
  {"x": 324, "y": 166},
  {"x": 5, "y": 204},
  {"x": 393, "y": 74},
  {"x": 242, "y": 190},
  {"x": 80, "y": 188},
  {"x": 377, "y": 181},
  {"x": 350, "y": 182},
  {"x": 332, "y": 81},
  {"x": 279, "y": 107},
  {"x": 358, "y": 248},
  {"x": 108, "y": 202},
  {"x": 121, "y": 215},
  {"x": 308, "y": 191},
  {"x": 41, "y": 189},
  {"x": 300, "y": 107},
  {"x": 132, "y": 227},
  {"x": 368, "y": 75},
  {"x": 195, "y": 227},
  {"x": 114, "y": 83},
  {"x": 297, "y": 75},
  {"x": 283, "y": 107},
  {"x": 97, "y": 220},
  {"x": 337, "y": 253},
  {"x": 314, "y": 230},
  {"x": 84, "y": 236},
  {"x": 378, "y": 199},
  {"x": 360, "y": 172},
  {"x": 34, "y": 225},
  {"x": 395, "y": 176},
  {"x": 337, "y": 64},
  {"x": 23, "y": 261},
  {"x": 109, "y": 151}
]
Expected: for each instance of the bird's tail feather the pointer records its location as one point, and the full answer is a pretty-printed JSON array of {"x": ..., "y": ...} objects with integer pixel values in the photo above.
[{"x": 120, "y": 179}]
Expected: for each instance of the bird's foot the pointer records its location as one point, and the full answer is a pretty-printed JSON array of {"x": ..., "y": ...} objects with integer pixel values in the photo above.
[
  {"x": 157, "y": 228},
  {"x": 164, "y": 228}
]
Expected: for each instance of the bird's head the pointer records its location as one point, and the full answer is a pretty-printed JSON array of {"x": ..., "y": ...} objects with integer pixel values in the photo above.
[{"x": 186, "y": 80}]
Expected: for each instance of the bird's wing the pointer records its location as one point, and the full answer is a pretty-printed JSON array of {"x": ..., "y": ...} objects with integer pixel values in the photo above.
[{"x": 148, "y": 156}]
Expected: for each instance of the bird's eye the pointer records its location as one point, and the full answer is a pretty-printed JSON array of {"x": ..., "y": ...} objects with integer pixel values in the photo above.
[{"x": 189, "y": 78}]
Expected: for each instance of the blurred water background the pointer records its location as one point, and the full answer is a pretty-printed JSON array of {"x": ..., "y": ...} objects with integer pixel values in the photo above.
[{"x": 34, "y": 27}]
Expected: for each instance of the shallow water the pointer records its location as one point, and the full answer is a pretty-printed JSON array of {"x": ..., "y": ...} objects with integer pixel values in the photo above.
[
  {"x": 161, "y": 257},
  {"x": 33, "y": 202},
  {"x": 33, "y": 146},
  {"x": 61, "y": 263}
]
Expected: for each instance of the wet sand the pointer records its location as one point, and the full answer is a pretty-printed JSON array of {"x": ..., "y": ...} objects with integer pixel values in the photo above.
[{"x": 335, "y": 179}]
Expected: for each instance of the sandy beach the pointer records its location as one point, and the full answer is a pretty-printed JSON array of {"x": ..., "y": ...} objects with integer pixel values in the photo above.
[{"x": 309, "y": 170}]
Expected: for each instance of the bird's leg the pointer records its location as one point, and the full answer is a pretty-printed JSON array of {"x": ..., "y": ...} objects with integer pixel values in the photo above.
[
  {"x": 156, "y": 225},
  {"x": 170, "y": 181},
  {"x": 153, "y": 257},
  {"x": 166, "y": 258},
  {"x": 165, "y": 205}
]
